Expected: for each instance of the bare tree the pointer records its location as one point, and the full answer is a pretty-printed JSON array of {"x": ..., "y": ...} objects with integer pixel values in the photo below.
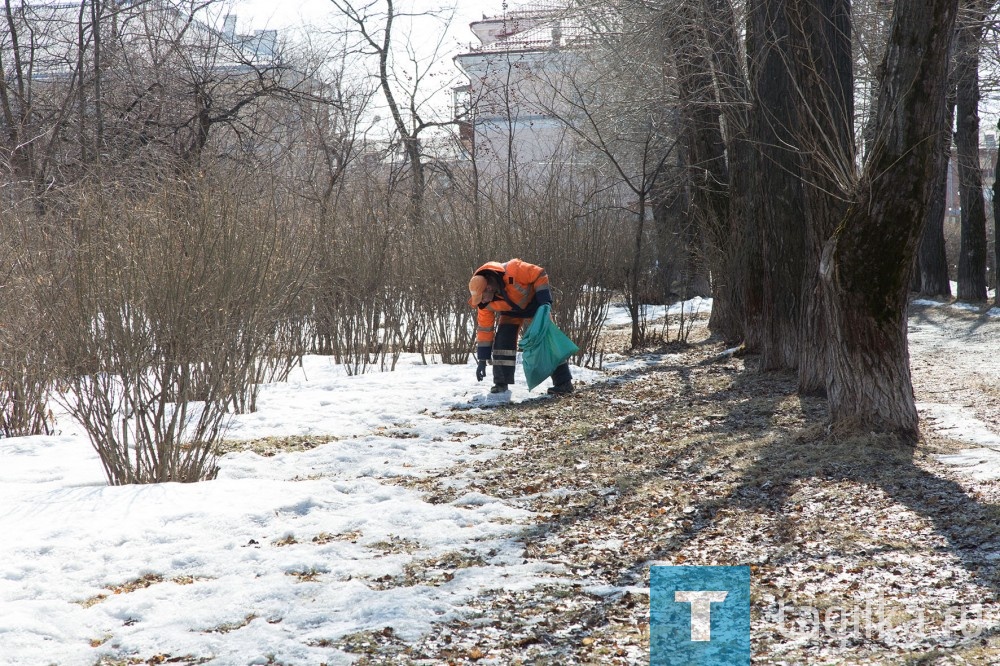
[
  {"x": 820, "y": 33},
  {"x": 179, "y": 82},
  {"x": 931, "y": 269},
  {"x": 39, "y": 83},
  {"x": 405, "y": 80},
  {"x": 701, "y": 131},
  {"x": 866, "y": 263},
  {"x": 972, "y": 253},
  {"x": 332, "y": 123},
  {"x": 779, "y": 187},
  {"x": 618, "y": 109},
  {"x": 133, "y": 89},
  {"x": 867, "y": 222},
  {"x": 737, "y": 285}
]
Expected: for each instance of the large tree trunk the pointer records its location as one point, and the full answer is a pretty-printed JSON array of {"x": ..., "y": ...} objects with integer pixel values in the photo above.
[
  {"x": 682, "y": 270},
  {"x": 996, "y": 226},
  {"x": 866, "y": 264},
  {"x": 972, "y": 254},
  {"x": 932, "y": 259},
  {"x": 820, "y": 36},
  {"x": 709, "y": 172},
  {"x": 668, "y": 218},
  {"x": 774, "y": 129},
  {"x": 738, "y": 275}
]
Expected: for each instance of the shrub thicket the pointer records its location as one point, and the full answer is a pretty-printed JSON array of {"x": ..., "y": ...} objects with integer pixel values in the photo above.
[{"x": 153, "y": 313}]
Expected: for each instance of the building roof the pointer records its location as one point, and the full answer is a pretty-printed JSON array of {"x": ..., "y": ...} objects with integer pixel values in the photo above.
[
  {"x": 532, "y": 28},
  {"x": 54, "y": 33}
]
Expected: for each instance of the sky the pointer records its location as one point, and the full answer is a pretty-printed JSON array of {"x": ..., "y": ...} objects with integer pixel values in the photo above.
[
  {"x": 259, "y": 14},
  {"x": 281, "y": 556},
  {"x": 314, "y": 15},
  {"x": 290, "y": 16}
]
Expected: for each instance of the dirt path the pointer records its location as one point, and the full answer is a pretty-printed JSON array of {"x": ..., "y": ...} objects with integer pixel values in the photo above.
[
  {"x": 955, "y": 360},
  {"x": 861, "y": 552}
]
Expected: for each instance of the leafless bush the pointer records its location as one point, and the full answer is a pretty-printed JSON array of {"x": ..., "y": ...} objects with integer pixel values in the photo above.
[
  {"x": 685, "y": 320},
  {"x": 171, "y": 312},
  {"x": 442, "y": 262},
  {"x": 257, "y": 269},
  {"x": 26, "y": 364},
  {"x": 583, "y": 240},
  {"x": 387, "y": 286},
  {"x": 677, "y": 324},
  {"x": 355, "y": 310}
]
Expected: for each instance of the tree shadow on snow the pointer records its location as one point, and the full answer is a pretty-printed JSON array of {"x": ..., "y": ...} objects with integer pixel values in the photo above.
[{"x": 802, "y": 452}]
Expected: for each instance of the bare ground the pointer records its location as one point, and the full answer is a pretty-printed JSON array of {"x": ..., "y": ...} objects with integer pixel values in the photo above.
[{"x": 861, "y": 552}]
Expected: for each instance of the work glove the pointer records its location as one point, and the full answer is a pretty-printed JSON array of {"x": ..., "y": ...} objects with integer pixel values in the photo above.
[{"x": 481, "y": 371}]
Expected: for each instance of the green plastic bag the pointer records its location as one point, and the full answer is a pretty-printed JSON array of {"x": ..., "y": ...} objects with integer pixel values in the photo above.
[{"x": 544, "y": 348}]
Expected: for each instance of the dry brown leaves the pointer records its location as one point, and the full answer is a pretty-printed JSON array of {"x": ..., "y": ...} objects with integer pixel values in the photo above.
[{"x": 862, "y": 552}]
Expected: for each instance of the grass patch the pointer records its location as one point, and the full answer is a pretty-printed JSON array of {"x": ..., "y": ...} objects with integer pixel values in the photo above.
[{"x": 270, "y": 446}]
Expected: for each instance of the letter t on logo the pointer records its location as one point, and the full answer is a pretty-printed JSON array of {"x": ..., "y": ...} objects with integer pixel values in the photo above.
[{"x": 701, "y": 610}]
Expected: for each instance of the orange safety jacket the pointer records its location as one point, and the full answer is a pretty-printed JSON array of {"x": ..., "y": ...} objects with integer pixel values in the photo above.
[{"x": 526, "y": 288}]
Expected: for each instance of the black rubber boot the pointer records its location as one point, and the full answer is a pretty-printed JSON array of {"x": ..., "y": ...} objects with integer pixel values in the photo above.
[{"x": 561, "y": 389}]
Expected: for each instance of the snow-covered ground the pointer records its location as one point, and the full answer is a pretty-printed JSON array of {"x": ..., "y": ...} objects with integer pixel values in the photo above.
[
  {"x": 277, "y": 557},
  {"x": 956, "y": 375},
  {"x": 282, "y": 555}
]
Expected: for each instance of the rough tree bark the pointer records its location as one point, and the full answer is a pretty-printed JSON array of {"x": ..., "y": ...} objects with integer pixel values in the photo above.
[
  {"x": 972, "y": 253},
  {"x": 932, "y": 265},
  {"x": 866, "y": 264},
  {"x": 706, "y": 157},
  {"x": 996, "y": 227},
  {"x": 823, "y": 67},
  {"x": 932, "y": 260},
  {"x": 680, "y": 249},
  {"x": 738, "y": 316},
  {"x": 774, "y": 129}
]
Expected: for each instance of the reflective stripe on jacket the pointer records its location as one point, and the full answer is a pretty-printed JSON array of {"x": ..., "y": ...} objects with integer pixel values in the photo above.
[{"x": 526, "y": 288}]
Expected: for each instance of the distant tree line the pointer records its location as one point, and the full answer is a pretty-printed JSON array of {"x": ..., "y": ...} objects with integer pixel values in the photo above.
[
  {"x": 813, "y": 144},
  {"x": 187, "y": 210}
]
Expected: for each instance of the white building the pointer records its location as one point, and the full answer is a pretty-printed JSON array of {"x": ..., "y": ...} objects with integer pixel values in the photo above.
[{"x": 512, "y": 112}]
